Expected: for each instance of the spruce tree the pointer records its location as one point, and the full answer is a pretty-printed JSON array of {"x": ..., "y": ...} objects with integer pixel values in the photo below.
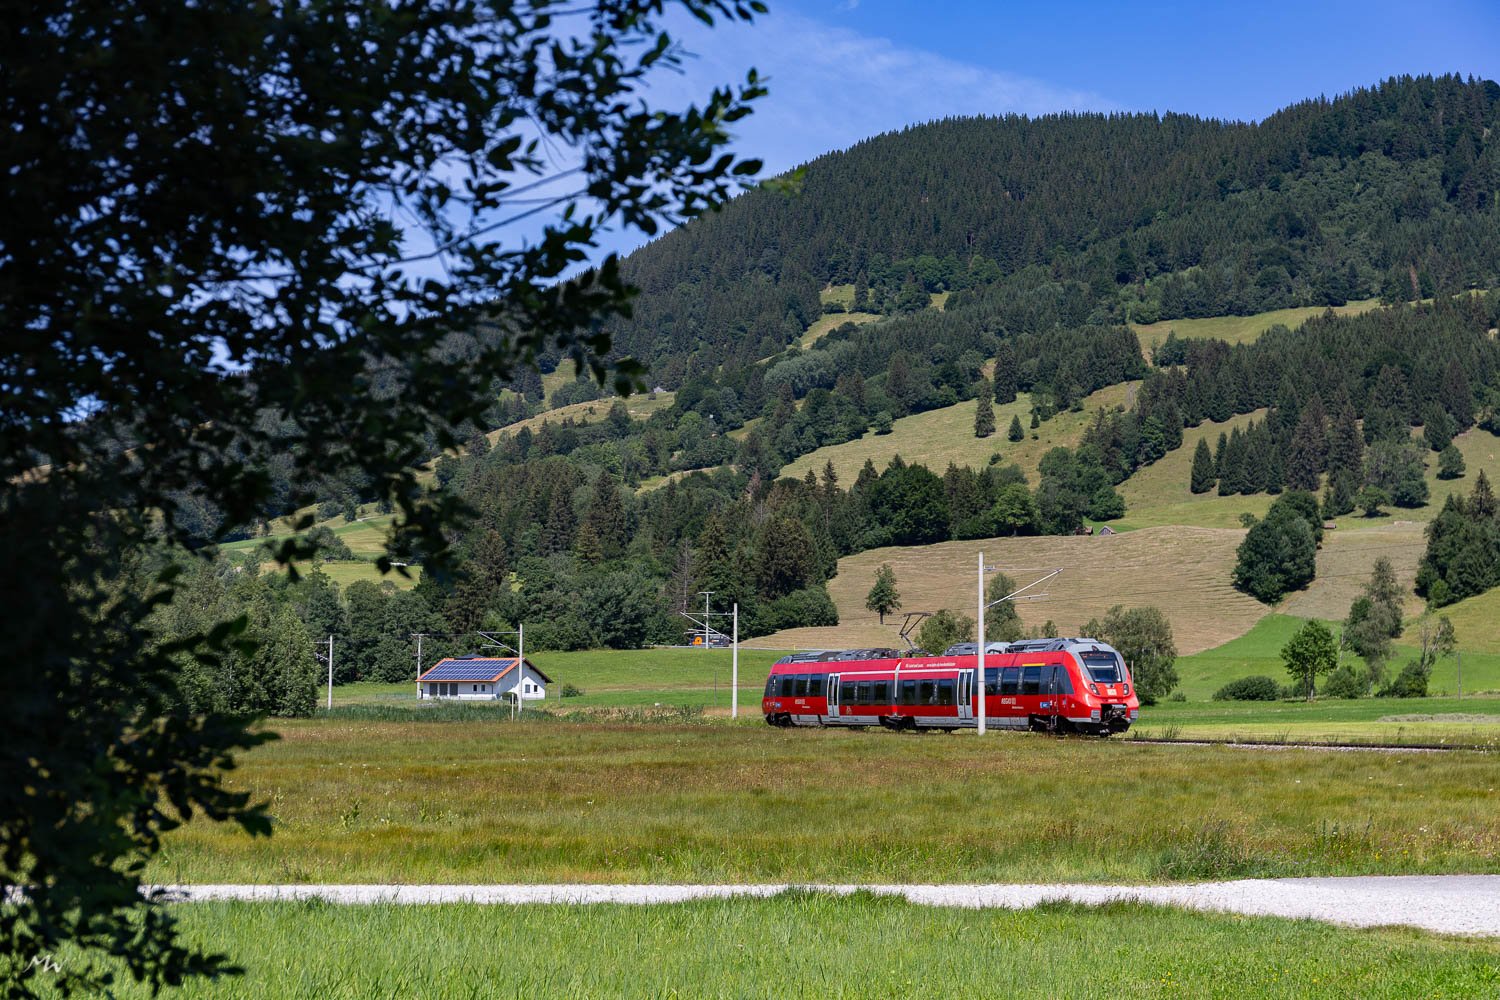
[
  {"x": 984, "y": 412},
  {"x": 1450, "y": 463},
  {"x": 1016, "y": 432},
  {"x": 1203, "y": 468},
  {"x": 1346, "y": 445},
  {"x": 1005, "y": 374},
  {"x": 1308, "y": 451}
]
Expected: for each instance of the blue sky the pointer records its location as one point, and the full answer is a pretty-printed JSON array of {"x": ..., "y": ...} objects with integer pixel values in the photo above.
[{"x": 842, "y": 70}]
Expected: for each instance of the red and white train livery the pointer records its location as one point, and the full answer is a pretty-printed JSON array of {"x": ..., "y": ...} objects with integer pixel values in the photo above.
[{"x": 1069, "y": 685}]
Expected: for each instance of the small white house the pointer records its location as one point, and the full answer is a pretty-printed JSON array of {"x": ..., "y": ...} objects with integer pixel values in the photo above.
[{"x": 482, "y": 678}]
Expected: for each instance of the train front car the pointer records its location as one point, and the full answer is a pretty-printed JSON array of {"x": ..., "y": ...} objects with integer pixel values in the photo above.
[{"x": 1114, "y": 703}]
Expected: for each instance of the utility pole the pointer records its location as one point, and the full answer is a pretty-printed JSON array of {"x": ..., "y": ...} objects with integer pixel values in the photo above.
[
  {"x": 734, "y": 660},
  {"x": 1460, "y": 666},
  {"x": 708, "y": 632},
  {"x": 984, "y": 606},
  {"x": 519, "y": 649},
  {"x": 419, "y": 636},
  {"x": 328, "y": 659},
  {"x": 982, "y": 644}
]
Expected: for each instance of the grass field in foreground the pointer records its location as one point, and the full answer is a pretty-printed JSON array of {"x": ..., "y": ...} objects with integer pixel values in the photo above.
[
  {"x": 815, "y": 945},
  {"x": 541, "y": 801}
]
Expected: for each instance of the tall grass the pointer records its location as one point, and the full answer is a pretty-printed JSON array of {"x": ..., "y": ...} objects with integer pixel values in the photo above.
[{"x": 614, "y": 801}]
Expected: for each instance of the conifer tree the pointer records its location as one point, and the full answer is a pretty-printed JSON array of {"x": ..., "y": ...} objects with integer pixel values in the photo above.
[
  {"x": 1015, "y": 433},
  {"x": 1203, "y": 468},
  {"x": 984, "y": 411},
  {"x": 1005, "y": 374},
  {"x": 1346, "y": 445},
  {"x": 1309, "y": 451},
  {"x": 1450, "y": 463}
]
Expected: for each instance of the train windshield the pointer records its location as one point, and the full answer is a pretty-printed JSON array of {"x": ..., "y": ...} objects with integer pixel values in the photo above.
[{"x": 1104, "y": 668}]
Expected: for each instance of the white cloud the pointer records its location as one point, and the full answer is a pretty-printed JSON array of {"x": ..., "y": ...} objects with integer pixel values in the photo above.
[{"x": 832, "y": 86}]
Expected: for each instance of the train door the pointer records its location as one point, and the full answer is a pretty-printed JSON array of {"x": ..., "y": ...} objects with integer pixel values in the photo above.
[
  {"x": 833, "y": 696},
  {"x": 966, "y": 694}
]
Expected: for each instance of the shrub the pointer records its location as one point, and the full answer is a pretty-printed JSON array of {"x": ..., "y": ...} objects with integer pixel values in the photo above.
[
  {"x": 805, "y": 608},
  {"x": 1411, "y": 682},
  {"x": 1177, "y": 696},
  {"x": 1346, "y": 682},
  {"x": 1256, "y": 688},
  {"x": 570, "y": 691}
]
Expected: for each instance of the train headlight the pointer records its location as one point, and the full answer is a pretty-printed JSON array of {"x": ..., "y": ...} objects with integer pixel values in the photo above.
[
  {"x": 1093, "y": 688},
  {"x": 1125, "y": 690}
]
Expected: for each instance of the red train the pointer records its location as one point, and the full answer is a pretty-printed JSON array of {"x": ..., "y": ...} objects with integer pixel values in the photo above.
[{"x": 1068, "y": 685}]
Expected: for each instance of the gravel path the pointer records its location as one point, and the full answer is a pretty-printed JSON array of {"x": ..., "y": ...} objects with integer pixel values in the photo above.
[{"x": 1448, "y": 904}]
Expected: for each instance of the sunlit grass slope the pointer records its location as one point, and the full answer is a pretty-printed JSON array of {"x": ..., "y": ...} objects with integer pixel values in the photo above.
[
  {"x": 1184, "y": 571},
  {"x": 937, "y": 437},
  {"x": 1240, "y": 329},
  {"x": 1258, "y": 651},
  {"x": 815, "y": 945}
]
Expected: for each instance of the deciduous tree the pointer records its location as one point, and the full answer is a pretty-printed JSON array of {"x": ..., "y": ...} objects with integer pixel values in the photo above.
[{"x": 234, "y": 209}]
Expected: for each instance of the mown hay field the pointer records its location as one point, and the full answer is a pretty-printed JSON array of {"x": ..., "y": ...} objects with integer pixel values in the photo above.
[
  {"x": 1184, "y": 571},
  {"x": 802, "y": 944}
]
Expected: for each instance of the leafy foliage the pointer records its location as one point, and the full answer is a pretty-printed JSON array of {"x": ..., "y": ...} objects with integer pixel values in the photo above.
[
  {"x": 1279, "y": 552},
  {"x": 1254, "y": 688},
  {"x": 1310, "y": 652},
  {"x": 1144, "y": 638},
  {"x": 214, "y": 319}
]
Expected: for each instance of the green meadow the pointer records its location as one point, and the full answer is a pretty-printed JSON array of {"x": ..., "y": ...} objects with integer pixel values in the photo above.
[
  {"x": 803, "y": 944},
  {"x": 474, "y": 798}
]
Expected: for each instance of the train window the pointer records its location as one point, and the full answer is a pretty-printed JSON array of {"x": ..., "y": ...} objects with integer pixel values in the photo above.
[
  {"x": 882, "y": 692},
  {"x": 815, "y": 686},
  {"x": 909, "y": 693},
  {"x": 1031, "y": 680},
  {"x": 927, "y": 692},
  {"x": 991, "y": 680},
  {"x": 788, "y": 681},
  {"x": 1059, "y": 680},
  {"x": 799, "y": 690},
  {"x": 846, "y": 692},
  {"x": 1010, "y": 681},
  {"x": 945, "y": 692},
  {"x": 1103, "y": 668},
  {"x": 772, "y": 683},
  {"x": 866, "y": 693}
]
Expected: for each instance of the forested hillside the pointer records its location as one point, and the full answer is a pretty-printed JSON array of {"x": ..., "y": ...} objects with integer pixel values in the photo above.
[
  {"x": 1051, "y": 237},
  {"x": 1077, "y": 218}
]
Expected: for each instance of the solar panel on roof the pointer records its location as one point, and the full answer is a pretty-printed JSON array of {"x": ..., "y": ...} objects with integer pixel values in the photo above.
[{"x": 467, "y": 670}]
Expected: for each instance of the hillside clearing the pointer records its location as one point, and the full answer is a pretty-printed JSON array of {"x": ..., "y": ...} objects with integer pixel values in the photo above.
[
  {"x": 640, "y": 406},
  {"x": 1159, "y": 495},
  {"x": 1240, "y": 329},
  {"x": 826, "y": 324},
  {"x": 1184, "y": 571},
  {"x": 937, "y": 437}
]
